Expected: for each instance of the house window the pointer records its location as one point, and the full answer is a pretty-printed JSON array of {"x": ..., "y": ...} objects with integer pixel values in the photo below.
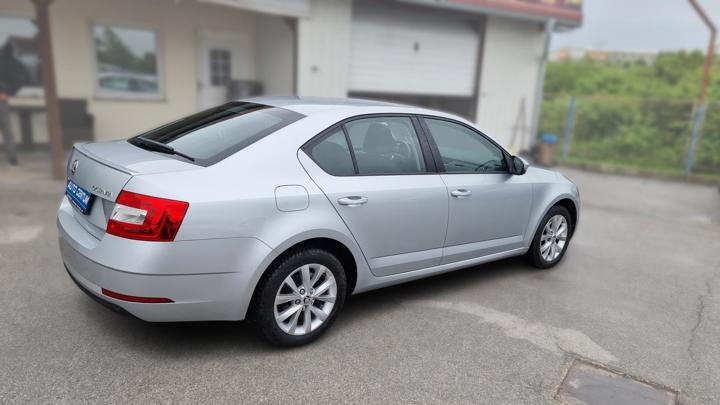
[
  {"x": 126, "y": 61},
  {"x": 220, "y": 67},
  {"x": 22, "y": 35}
]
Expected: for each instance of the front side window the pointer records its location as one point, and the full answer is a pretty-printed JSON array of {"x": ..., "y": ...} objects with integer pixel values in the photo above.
[
  {"x": 126, "y": 61},
  {"x": 212, "y": 135},
  {"x": 464, "y": 150},
  {"x": 385, "y": 145}
]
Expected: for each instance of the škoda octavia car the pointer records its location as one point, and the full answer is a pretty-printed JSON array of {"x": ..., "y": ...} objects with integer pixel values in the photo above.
[{"x": 277, "y": 209}]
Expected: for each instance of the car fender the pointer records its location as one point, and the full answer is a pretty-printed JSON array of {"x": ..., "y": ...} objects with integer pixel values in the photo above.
[{"x": 545, "y": 196}]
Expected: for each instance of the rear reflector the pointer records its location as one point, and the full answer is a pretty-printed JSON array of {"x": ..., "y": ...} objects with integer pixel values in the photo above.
[
  {"x": 130, "y": 298},
  {"x": 142, "y": 217}
]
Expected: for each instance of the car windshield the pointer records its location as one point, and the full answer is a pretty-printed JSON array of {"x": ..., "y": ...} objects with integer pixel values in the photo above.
[{"x": 212, "y": 135}]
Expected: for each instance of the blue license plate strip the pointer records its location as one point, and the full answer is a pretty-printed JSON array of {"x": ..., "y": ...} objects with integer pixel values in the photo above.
[{"x": 79, "y": 196}]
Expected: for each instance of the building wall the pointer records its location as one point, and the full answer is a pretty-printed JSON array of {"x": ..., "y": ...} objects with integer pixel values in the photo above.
[
  {"x": 275, "y": 55},
  {"x": 176, "y": 26},
  {"x": 324, "y": 49},
  {"x": 512, "y": 53}
]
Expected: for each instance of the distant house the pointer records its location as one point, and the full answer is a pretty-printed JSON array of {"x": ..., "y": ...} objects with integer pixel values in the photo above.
[
  {"x": 605, "y": 55},
  {"x": 141, "y": 63}
]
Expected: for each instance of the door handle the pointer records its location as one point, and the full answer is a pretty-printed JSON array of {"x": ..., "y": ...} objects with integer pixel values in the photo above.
[
  {"x": 353, "y": 201},
  {"x": 461, "y": 193}
]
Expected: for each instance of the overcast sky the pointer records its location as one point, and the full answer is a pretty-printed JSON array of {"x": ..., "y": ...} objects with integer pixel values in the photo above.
[{"x": 641, "y": 25}]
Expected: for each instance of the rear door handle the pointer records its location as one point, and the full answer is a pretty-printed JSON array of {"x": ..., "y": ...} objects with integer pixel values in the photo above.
[
  {"x": 352, "y": 201},
  {"x": 461, "y": 193}
]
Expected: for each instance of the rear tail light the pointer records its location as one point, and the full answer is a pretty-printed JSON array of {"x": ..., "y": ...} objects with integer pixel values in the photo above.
[{"x": 138, "y": 216}]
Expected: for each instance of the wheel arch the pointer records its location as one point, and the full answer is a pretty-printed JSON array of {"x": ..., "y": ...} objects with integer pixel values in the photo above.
[
  {"x": 337, "y": 248},
  {"x": 348, "y": 253},
  {"x": 569, "y": 205},
  {"x": 565, "y": 200}
]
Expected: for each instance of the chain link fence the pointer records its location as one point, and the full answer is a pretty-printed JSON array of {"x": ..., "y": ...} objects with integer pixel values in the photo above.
[{"x": 649, "y": 133}]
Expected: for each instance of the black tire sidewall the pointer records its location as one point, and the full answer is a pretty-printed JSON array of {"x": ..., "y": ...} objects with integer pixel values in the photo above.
[
  {"x": 534, "y": 253},
  {"x": 263, "y": 315}
]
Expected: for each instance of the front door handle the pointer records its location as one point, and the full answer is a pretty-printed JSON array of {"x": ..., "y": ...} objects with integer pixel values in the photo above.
[
  {"x": 461, "y": 193},
  {"x": 353, "y": 201}
]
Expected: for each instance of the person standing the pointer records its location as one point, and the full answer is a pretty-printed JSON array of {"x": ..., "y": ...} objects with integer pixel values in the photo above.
[{"x": 13, "y": 76}]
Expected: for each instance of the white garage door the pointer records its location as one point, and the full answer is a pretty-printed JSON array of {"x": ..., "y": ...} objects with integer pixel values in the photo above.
[{"x": 412, "y": 50}]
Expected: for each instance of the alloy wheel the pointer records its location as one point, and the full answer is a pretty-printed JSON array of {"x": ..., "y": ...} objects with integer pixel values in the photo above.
[
  {"x": 305, "y": 299},
  {"x": 553, "y": 238}
]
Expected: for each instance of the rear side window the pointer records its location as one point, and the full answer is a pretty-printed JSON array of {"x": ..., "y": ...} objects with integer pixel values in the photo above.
[
  {"x": 212, "y": 135},
  {"x": 332, "y": 154},
  {"x": 385, "y": 145}
]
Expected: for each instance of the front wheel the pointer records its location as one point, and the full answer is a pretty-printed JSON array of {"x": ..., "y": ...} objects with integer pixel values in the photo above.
[
  {"x": 551, "y": 238},
  {"x": 299, "y": 298}
]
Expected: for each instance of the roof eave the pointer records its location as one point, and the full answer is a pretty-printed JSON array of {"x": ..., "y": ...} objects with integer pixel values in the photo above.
[{"x": 564, "y": 19}]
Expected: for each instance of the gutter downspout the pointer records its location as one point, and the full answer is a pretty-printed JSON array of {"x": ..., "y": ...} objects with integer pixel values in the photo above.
[{"x": 540, "y": 82}]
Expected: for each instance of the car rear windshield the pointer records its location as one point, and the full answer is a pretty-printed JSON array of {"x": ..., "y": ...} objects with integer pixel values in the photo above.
[{"x": 212, "y": 135}]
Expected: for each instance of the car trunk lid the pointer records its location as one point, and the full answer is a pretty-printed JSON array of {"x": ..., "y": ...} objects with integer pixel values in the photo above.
[{"x": 104, "y": 168}]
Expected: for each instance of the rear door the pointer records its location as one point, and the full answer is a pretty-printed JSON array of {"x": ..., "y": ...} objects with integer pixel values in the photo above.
[
  {"x": 381, "y": 180},
  {"x": 489, "y": 208}
]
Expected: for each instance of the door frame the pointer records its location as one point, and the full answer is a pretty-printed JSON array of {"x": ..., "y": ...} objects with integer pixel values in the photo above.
[
  {"x": 430, "y": 151},
  {"x": 201, "y": 59},
  {"x": 436, "y": 151},
  {"x": 425, "y": 146}
]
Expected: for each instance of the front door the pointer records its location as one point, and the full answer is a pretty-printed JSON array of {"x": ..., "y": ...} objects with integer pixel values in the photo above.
[
  {"x": 223, "y": 57},
  {"x": 489, "y": 207},
  {"x": 374, "y": 172}
]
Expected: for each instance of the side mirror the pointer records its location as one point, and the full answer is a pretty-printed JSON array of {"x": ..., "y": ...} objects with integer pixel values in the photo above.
[{"x": 519, "y": 166}]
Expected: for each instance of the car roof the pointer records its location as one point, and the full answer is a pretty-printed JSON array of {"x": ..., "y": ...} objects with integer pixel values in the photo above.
[{"x": 315, "y": 105}]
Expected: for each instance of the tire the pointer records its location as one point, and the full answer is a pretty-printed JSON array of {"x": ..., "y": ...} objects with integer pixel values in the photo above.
[
  {"x": 274, "y": 284},
  {"x": 540, "y": 254}
]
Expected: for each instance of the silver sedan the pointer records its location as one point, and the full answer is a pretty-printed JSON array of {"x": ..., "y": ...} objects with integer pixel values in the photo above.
[{"x": 277, "y": 209}]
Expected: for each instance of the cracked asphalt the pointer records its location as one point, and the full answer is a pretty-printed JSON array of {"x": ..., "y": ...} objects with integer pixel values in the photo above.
[{"x": 638, "y": 291}]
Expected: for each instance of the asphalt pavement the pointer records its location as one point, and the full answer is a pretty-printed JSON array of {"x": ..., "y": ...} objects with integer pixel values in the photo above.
[{"x": 638, "y": 292}]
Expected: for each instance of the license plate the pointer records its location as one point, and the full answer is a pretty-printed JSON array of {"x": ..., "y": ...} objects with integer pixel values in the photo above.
[{"x": 79, "y": 196}]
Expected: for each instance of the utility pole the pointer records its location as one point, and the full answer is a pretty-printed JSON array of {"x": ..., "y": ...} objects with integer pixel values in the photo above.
[
  {"x": 702, "y": 100},
  {"x": 52, "y": 105}
]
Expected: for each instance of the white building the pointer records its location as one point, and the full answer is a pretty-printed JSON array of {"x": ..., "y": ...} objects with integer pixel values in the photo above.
[{"x": 140, "y": 63}]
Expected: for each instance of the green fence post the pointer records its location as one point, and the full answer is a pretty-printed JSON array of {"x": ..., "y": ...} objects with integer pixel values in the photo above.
[{"x": 694, "y": 137}]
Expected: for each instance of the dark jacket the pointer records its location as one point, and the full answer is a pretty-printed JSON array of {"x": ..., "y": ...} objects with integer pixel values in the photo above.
[{"x": 13, "y": 74}]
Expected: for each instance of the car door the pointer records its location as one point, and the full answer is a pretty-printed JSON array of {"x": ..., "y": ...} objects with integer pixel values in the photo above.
[
  {"x": 489, "y": 208},
  {"x": 381, "y": 180}
]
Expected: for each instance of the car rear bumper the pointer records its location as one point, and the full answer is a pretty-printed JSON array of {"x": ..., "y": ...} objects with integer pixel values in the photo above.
[
  {"x": 210, "y": 279},
  {"x": 95, "y": 297}
]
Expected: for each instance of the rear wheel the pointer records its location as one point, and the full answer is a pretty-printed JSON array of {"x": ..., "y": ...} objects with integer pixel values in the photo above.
[
  {"x": 299, "y": 298},
  {"x": 551, "y": 238}
]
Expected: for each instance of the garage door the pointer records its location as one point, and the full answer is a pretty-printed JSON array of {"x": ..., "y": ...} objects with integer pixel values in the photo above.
[{"x": 412, "y": 50}]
